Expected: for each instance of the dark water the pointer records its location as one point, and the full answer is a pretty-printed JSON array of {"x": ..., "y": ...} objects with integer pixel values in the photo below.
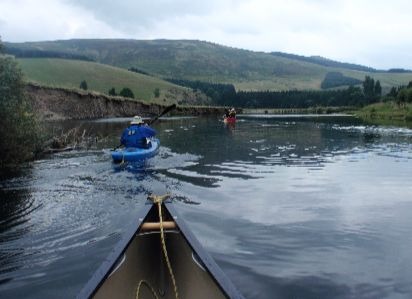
[{"x": 288, "y": 207}]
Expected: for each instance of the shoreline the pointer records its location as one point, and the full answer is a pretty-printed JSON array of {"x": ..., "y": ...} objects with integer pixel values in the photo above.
[{"x": 55, "y": 104}]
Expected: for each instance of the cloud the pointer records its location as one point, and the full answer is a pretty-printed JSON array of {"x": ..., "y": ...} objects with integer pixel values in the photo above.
[
  {"x": 130, "y": 15},
  {"x": 370, "y": 33},
  {"x": 26, "y": 20}
]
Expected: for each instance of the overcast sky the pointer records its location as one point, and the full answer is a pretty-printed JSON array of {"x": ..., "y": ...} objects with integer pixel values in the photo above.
[{"x": 374, "y": 33}]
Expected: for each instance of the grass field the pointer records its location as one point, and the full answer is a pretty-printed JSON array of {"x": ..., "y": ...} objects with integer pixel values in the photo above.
[
  {"x": 283, "y": 83},
  {"x": 99, "y": 77}
]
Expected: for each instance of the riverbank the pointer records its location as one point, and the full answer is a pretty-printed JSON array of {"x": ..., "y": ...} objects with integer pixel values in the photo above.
[
  {"x": 53, "y": 104},
  {"x": 64, "y": 104},
  {"x": 386, "y": 113},
  {"x": 310, "y": 110}
]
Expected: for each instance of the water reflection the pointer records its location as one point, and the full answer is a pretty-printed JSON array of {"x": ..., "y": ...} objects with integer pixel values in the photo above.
[{"x": 253, "y": 146}]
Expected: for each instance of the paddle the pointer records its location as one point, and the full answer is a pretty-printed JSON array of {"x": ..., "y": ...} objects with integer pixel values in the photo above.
[{"x": 167, "y": 109}]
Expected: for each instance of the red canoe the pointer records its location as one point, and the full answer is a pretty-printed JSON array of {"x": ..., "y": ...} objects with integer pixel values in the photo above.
[{"x": 229, "y": 120}]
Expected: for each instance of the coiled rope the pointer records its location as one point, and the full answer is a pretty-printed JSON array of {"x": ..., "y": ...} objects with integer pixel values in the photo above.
[{"x": 158, "y": 200}]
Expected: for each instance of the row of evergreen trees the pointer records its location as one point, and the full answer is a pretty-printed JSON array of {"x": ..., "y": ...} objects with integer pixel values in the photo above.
[
  {"x": 371, "y": 89},
  {"x": 226, "y": 95}
]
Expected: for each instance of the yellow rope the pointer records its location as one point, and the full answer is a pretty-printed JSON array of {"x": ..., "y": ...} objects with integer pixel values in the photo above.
[
  {"x": 169, "y": 266},
  {"x": 148, "y": 286},
  {"x": 158, "y": 200}
]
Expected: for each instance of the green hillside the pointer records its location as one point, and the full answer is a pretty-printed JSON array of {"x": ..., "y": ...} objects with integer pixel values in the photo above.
[
  {"x": 69, "y": 73},
  {"x": 205, "y": 61}
]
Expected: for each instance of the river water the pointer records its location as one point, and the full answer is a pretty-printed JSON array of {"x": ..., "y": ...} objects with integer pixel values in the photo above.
[{"x": 289, "y": 207}]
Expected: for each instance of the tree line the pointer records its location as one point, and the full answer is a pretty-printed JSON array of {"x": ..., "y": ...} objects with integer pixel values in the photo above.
[
  {"x": 36, "y": 53},
  {"x": 226, "y": 95}
]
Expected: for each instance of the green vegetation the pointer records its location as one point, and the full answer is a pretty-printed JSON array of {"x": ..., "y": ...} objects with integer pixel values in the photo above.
[
  {"x": 66, "y": 73},
  {"x": 336, "y": 79},
  {"x": 351, "y": 96},
  {"x": 156, "y": 92},
  {"x": 310, "y": 110},
  {"x": 396, "y": 106},
  {"x": 220, "y": 94},
  {"x": 19, "y": 129},
  {"x": 112, "y": 92},
  {"x": 83, "y": 85},
  {"x": 208, "y": 62},
  {"x": 127, "y": 93},
  {"x": 386, "y": 111},
  {"x": 226, "y": 95},
  {"x": 371, "y": 89},
  {"x": 41, "y": 53}
]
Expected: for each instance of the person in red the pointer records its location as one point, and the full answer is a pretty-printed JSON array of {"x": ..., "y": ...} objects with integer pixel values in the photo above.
[
  {"x": 232, "y": 112},
  {"x": 137, "y": 134}
]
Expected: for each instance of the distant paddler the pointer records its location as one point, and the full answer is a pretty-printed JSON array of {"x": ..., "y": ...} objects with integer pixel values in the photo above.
[{"x": 230, "y": 115}]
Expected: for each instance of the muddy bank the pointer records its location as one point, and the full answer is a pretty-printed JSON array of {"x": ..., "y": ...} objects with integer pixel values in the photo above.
[{"x": 60, "y": 104}]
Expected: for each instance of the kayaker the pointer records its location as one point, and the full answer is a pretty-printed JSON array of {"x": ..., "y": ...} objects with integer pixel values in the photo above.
[
  {"x": 137, "y": 134},
  {"x": 232, "y": 112}
]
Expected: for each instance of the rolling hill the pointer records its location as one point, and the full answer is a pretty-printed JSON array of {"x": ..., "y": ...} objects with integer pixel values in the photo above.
[
  {"x": 205, "y": 61},
  {"x": 69, "y": 73}
]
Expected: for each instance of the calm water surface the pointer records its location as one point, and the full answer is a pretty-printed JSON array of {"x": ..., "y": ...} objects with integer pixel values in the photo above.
[{"x": 288, "y": 207}]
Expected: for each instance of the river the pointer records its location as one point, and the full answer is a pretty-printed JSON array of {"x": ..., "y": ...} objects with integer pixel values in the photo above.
[{"x": 289, "y": 207}]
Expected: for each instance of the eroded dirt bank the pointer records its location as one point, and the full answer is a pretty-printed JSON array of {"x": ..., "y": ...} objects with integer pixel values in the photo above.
[{"x": 59, "y": 104}]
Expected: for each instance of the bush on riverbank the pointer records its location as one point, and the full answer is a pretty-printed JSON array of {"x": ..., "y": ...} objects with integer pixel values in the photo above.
[
  {"x": 19, "y": 128},
  {"x": 386, "y": 111}
]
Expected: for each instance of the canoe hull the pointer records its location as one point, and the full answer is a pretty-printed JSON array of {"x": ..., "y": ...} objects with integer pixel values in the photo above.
[
  {"x": 139, "y": 257},
  {"x": 133, "y": 154}
]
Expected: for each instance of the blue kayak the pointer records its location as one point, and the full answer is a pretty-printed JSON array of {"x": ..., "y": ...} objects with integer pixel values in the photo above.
[{"x": 136, "y": 154}]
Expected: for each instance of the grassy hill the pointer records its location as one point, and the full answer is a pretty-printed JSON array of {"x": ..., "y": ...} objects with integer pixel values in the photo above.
[
  {"x": 205, "y": 61},
  {"x": 69, "y": 73}
]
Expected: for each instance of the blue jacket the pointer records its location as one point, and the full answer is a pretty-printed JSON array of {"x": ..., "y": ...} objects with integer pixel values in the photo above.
[{"x": 135, "y": 136}]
